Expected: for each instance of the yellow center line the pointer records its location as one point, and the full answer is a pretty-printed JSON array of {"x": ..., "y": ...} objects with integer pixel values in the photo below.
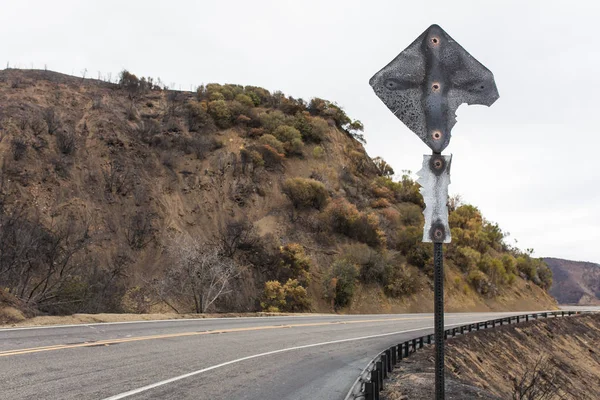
[{"x": 184, "y": 334}]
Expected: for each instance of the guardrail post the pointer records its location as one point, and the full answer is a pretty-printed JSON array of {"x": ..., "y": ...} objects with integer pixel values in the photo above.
[
  {"x": 369, "y": 391},
  {"x": 414, "y": 345},
  {"x": 400, "y": 352},
  {"x": 421, "y": 342},
  {"x": 406, "y": 349},
  {"x": 380, "y": 376},
  {"x": 518, "y": 319},
  {"x": 375, "y": 382},
  {"x": 384, "y": 366},
  {"x": 428, "y": 339},
  {"x": 388, "y": 358},
  {"x": 394, "y": 352}
]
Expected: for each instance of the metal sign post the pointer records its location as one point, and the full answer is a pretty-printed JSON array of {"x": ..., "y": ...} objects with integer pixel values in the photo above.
[{"x": 424, "y": 86}]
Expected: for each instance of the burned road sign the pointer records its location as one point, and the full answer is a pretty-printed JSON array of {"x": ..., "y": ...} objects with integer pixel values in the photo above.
[
  {"x": 424, "y": 85},
  {"x": 434, "y": 179}
]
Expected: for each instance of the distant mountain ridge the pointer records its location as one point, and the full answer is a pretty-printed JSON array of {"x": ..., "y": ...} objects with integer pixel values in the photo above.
[{"x": 575, "y": 282}]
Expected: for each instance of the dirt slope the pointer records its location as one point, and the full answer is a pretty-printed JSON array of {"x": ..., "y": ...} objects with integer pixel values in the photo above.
[{"x": 560, "y": 355}]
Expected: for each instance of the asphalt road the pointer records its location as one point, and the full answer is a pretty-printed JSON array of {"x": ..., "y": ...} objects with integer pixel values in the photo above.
[{"x": 305, "y": 357}]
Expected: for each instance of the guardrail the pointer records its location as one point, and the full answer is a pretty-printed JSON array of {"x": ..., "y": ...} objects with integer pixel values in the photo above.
[{"x": 372, "y": 379}]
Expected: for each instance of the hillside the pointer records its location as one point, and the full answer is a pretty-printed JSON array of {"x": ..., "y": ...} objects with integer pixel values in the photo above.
[
  {"x": 130, "y": 197},
  {"x": 575, "y": 282},
  {"x": 553, "y": 358}
]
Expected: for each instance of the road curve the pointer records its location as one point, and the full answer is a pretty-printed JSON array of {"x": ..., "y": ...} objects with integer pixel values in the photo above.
[{"x": 272, "y": 358}]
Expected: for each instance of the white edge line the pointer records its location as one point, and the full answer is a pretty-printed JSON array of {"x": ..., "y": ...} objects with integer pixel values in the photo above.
[{"x": 200, "y": 371}]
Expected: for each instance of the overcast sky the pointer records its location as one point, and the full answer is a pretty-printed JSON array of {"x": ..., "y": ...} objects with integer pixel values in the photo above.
[{"x": 530, "y": 162}]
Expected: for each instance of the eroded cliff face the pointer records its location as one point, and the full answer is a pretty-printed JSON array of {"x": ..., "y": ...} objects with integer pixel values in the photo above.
[{"x": 104, "y": 184}]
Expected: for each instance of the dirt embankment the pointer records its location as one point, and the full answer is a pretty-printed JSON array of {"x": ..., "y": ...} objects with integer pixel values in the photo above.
[{"x": 556, "y": 358}]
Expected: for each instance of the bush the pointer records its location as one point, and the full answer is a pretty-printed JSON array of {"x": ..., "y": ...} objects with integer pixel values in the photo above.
[
  {"x": 510, "y": 264},
  {"x": 545, "y": 275},
  {"x": 400, "y": 281},
  {"x": 341, "y": 283},
  {"x": 245, "y": 100},
  {"x": 196, "y": 117},
  {"x": 480, "y": 282},
  {"x": 251, "y": 156},
  {"x": 291, "y": 138},
  {"x": 272, "y": 120},
  {"x": 52, "y": 120},
  {"x": 291, "y": 297},
  {"x": 318, "y": 152},
  {"x": 295, "y": 261},
  {"x": 383, "y": 167},
  {"x": 271, "y": 157},
  {"x": 345, "y": 218},
  {"x": 466, "y": 258},
  {"x": 305, "y": 193},
  {"x": 221, "y": 113},
  {"x": 272, "y": 141},
  {"x": 19, "y": 147},
  {"x": 65, "y": 141},
  {"x": 313, "y": 129}
]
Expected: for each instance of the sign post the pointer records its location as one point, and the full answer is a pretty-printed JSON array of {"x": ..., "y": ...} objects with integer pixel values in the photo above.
[{"x": 424, "y": 86}]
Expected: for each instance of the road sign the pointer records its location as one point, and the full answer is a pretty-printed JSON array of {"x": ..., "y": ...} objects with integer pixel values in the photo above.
[
  {"x": 434, "y": 179},
  {"x": 424, "y": 86}
]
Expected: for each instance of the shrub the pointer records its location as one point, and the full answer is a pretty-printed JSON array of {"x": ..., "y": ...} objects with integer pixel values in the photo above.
[
  {"x": 345, "y": 218},
  {"x": 305, "y": 193},
  {"x": 291, "y": 297},
  {"x": 341, "y": 283},
  {"x": 19, "y": 147},
  {"x": 510, "y": 264},
  {"x": 245, "y": 100},
  {"x": 480, "y": 282},
  {"x": 251, "y": 156},
  {"x": 291, "y": 138},
  {"x": 313, "y": 129},
  {"x": 221, "y": 113},
  {"x": 52, "y": 120},
  {"x": 380, "y": 203},
  {"x": 271, "y": 157},
  {"x": 271, "y": 120},
  {"x": 214, "y": 96},
  {"x": 371, "y": 263},
  {"x": 318, "y": 152},
  {"x": 272, "y": 141},
  {"x": 65, "y": 141},
  {"x": 287, "y": 133},
  {"x": 259, "y": 95},
  {"x": 545, "y": 275},
  {"x": 527, "y": 266},
  {"x": 467, "y": 258},
  {"x": 383, "y": 167},
  {"x": 294, "y": 260},
  {"x": 400, "y": 281},
  {"x": 196, "y": 117}
]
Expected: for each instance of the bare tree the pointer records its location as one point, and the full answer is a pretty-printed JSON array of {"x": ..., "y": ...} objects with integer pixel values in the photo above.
[
  {"x": 199, "y": 274},
  {"x": 235, "y": 235},
  {"x": 539, "y": 382}
]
